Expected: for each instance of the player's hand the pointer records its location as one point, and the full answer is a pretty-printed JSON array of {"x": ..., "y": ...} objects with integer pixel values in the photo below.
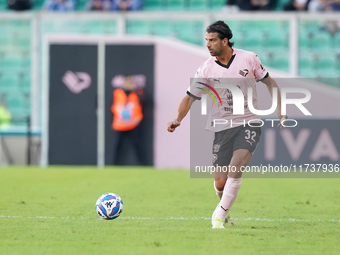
[
  {"x": 173, "y": 125},
  {"x": 282, "y": 119}
]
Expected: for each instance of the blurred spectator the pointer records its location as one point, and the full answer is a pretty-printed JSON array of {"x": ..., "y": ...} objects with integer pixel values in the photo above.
[
  {"x": 297, "y": 5},
  {"x": 19, "y": 5},
  {"x": 59, "y": 5},
  {"x": 5, "y": 116},
  {"x": 332, "y": 26},
  {"x": 127, "y": 5},
  {"x": 324, "y": 5},
  {"x": 127, "y": 115},
  {"x": 253, "y": 5},
  {"x": 335, "y": 6},
  {"x": 100, "y": 5}
]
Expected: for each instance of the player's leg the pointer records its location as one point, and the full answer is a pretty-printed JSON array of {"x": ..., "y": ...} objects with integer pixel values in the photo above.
[
  {"x": 220, "y": 180},
  {"x": 240, "y": 158},
  {"x": 222, "y": 153},
  {"x": 244, "y": 146},
  {"x": 219, "y": 186},
  {"x": 221, "y": 157}
]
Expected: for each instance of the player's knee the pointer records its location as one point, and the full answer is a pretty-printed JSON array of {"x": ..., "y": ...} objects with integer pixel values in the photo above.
[
  {"x": 240, "y": 158},
  {"x": 219, "y": 183}
]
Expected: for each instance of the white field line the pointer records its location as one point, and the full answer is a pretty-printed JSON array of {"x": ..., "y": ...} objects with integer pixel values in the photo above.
[{"x": 170, "y": 218}]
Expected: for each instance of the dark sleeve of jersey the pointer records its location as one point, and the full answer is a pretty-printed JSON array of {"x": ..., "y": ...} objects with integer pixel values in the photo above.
[
  {"x": 265, "y": 77},
  {"x": 193, "y": 96}
]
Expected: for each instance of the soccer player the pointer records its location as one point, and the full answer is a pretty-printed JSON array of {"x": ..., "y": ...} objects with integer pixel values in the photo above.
[{"x": 235, "y": 143}]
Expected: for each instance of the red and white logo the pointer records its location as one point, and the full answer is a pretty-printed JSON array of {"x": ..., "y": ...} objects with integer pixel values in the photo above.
[{"x": 76, "y": 81}]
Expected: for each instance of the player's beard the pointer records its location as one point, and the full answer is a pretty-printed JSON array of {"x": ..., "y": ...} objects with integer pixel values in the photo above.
[{"x": 217, "y": 51}]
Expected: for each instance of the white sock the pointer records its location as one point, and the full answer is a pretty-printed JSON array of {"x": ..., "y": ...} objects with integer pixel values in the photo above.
[
  {"x": 219, "y": 193},
  {"x": 230, "y": 191}
]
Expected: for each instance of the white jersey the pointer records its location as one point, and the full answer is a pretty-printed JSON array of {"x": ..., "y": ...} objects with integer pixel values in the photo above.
[{"x": 243, "y": 71}]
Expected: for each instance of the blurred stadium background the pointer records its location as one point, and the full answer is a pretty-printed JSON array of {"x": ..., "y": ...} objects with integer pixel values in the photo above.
[{"x": 294, "y": 44}]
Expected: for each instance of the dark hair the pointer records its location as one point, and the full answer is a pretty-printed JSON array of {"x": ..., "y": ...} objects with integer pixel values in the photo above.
[{"x": 223, "y": 31}]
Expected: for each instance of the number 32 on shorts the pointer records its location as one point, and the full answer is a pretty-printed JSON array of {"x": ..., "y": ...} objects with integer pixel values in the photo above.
[{"x": 250, "y": 135}]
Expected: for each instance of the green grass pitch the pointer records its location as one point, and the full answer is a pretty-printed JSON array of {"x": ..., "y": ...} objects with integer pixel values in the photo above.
[{"x": 52, "y": 211}]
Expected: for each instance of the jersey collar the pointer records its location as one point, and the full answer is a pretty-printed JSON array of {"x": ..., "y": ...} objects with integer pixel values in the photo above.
[{"x": 229, "y": 63}]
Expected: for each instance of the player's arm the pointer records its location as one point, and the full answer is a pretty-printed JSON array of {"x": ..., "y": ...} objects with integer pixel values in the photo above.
[
  {"x": 182, "y": 111},
  {"x": 271, "y": 83}
]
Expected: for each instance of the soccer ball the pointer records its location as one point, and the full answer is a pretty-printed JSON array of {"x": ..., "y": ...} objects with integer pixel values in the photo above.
[{"x": 109, "y": 206}]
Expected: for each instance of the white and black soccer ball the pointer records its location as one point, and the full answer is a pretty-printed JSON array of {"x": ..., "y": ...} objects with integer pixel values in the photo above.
[{"x": 109, "y": 206}]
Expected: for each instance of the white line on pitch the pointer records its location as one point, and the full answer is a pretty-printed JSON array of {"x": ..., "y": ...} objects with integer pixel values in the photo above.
[{"x": 156, "y": 218}]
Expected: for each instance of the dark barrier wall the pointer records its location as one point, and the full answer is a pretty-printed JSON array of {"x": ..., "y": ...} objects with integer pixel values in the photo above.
[
  {"x": 73, "y": 102},
  {"x": 136, "y": 61},
  {"x": 72, "y": 105}
]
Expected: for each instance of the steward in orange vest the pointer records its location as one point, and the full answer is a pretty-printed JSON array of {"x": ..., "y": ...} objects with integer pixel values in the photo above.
[{"x": 126, "y": 109}]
